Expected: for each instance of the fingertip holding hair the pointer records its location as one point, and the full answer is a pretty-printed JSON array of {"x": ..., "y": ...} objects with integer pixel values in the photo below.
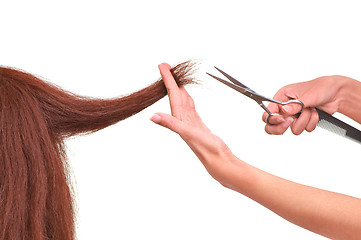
[{"x": 166, "y": 65}]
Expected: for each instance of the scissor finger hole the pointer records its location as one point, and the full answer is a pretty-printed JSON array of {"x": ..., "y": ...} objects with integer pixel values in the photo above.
[{"x": 267, "y": 120}]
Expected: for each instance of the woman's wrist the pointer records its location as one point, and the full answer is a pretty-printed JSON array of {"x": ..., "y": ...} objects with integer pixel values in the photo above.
[
  {"x": 343, "y": 86},
  {"x": 349, "y": 97},
  {"x": 232, "y": 172}
]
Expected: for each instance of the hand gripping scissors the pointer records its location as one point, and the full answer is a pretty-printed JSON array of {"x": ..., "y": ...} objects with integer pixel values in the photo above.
[{"x": 238, "y": 86}]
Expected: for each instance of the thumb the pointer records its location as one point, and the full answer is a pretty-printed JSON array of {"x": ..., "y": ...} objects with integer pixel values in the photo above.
[
  {"x": 292, "y": 108},
  {"x": 308, "y": 100},
  {"x": 167, "y": 121}
]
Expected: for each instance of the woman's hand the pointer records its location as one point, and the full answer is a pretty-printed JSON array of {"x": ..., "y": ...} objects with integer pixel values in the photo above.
[
  {"x": 324, "y": 93},
  {"x": 185, "y": 121}
]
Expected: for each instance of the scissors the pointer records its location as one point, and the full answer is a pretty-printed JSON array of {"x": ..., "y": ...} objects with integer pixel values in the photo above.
[{"x": 238, "y": 86}]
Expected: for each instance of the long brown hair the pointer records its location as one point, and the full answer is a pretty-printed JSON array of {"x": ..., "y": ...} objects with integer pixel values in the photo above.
[{"x": 36, "y": 199}]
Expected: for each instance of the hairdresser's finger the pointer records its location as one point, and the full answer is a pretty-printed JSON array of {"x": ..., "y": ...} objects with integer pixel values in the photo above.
[
  {"x": 167, "y": 121},
  {"x": 274, "y": 120},
  {"x": 279, "y": 129},
  {"x": 273, "y": 108},
  {"x": 167, "y": 76},
  {"x": 313, "y": 120},
  {"x": 174, "y": 95},
  {"x": 301, "y": 123}
]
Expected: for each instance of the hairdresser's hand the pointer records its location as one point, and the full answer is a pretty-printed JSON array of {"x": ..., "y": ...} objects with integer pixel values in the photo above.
[
  {"x": 185, "y": 121},
  {"x": 323, "y": 93}
]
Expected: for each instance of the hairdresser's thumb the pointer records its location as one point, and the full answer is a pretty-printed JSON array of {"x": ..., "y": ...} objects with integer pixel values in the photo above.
[
  {"x": 296, "y": 107},
  {"x": 292, "y": 108},
  {"x": 167, "y": 121},
  {"x": 308, "y": 100}
]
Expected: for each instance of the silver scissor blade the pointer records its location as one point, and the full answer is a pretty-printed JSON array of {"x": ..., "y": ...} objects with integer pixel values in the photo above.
[
  {"x": 235, "y": 87},
  {"x": 249, "y": 93},
  {"x": 232, "y": 79}
]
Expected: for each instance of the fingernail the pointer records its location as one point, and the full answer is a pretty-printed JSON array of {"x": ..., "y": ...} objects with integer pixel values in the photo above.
[
  {"x": 281, "y": 120},
  {"x": 288, "y": 122},
  {"x": 165, "y": 65},
  {"x": 287, "y": 109},
  {"x": 155, "y": 118}
]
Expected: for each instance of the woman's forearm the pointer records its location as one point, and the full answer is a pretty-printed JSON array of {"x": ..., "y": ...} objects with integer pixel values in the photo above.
[{"x": 326, "y": 213}]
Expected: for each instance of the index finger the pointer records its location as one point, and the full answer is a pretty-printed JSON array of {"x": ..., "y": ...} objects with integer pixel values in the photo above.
[
  {"x": 273, "y": 108},
  {"x": 174, "y": 93},
  {"x": 167, "y": 76}
]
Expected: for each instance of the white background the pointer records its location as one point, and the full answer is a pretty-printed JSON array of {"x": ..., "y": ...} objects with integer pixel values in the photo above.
[{"x": 136, "y": 180}]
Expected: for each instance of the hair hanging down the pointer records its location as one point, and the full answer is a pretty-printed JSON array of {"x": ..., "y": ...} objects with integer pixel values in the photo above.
[{"x": 36, "y": 198}]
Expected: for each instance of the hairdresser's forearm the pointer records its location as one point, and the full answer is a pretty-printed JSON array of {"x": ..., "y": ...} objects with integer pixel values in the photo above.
[
  {"x": 350, "y": 98},
  {"x": 327, "y": 213}
]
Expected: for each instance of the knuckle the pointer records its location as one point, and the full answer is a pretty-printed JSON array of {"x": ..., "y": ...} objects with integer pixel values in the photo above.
[
  {"x": 171, "y": 91},
  {"x": 191, "y": 103}
]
